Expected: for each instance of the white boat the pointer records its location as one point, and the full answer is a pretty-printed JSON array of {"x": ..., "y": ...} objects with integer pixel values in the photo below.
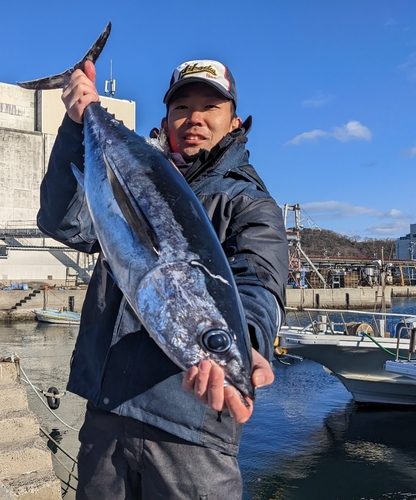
[
  {"x": 374, "y": 366},
  {"x": 57, "y": 316}
]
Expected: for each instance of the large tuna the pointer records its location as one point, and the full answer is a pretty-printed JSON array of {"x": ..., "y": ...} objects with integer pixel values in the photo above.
[{"x": 159, "y": 244}]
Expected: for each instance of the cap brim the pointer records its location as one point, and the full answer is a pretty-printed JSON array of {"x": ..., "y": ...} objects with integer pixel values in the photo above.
[{"x": 185, "y": 81}]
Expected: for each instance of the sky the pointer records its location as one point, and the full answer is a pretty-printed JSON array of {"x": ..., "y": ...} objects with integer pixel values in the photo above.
[{"x": 331, "y": 86}]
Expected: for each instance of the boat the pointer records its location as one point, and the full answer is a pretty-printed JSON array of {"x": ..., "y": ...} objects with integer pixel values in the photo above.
[
  {"x": 57, "y": 316},
  {"x": 374, "y": 364}
]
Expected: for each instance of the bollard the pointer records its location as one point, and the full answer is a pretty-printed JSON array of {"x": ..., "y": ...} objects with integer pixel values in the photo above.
[{"x": 71, "y": 303}]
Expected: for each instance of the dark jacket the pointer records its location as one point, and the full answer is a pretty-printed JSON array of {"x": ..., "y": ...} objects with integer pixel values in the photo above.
[{"x": 116, "y": 365}]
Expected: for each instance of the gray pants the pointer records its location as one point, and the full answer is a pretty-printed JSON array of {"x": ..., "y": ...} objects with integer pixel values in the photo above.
[{"x": 124, "y": 459}]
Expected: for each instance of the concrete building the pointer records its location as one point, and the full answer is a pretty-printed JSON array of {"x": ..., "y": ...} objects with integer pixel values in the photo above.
[
  {"x": 29, "y": 121},
  {"x": 406, "y": 245}
]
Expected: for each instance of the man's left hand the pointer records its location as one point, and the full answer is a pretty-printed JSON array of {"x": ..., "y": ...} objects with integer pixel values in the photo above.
[{"x": 207, "y": 382}]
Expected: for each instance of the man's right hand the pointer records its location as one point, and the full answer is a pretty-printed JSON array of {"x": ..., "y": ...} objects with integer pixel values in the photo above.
[{"x": 80, "y": 91}]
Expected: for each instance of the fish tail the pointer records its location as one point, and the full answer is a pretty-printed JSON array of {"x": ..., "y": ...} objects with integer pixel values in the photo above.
[{"x": 60, "y": 80}]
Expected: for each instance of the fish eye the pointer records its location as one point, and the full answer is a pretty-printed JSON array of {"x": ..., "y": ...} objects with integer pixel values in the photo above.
[{"x": 216, "y": 341}]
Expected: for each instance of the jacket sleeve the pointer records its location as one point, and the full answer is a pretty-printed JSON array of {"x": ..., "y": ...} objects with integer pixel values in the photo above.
[
  {"x": 63, "y": 213},
  {"x": 258, "y": 255}
]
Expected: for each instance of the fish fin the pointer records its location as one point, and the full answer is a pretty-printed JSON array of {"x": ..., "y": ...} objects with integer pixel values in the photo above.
[
  {"x": 79, "y": 176},
  {"x": 108, "y": 269},
  {"x": 131, "y": 211},
  {"x": 59, "y": 81}
]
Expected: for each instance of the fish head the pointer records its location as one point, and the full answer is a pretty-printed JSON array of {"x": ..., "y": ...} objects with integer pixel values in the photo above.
[{"x": 189, "y": 325}]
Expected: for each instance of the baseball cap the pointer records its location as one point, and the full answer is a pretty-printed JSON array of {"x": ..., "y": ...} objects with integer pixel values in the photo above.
[{"x": 211, "y": 72}]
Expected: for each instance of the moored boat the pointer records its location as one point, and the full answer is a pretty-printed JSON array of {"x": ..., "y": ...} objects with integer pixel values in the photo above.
[
  {"x": 374, "y": 365},
  {"x": 57, "y": 316}
]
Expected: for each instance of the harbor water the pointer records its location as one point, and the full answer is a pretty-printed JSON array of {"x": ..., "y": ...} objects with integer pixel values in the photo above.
[{"x": 306, "y": 440}]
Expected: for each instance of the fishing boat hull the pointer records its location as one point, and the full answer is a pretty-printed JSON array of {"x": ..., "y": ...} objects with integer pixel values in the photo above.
[
  {"x": 358, "y": 361},
  {"x": 57, "y": 317}
]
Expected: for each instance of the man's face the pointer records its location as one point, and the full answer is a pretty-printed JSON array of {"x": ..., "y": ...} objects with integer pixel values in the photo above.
[{"x": 198, "y": 118}]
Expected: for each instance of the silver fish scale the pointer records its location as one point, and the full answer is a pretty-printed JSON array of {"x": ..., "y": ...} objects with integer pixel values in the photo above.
[{"x": 173, "y": 245}]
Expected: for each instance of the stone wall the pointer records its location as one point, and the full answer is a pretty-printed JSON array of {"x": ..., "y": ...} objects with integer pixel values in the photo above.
[{"x": 26, "y": 471}]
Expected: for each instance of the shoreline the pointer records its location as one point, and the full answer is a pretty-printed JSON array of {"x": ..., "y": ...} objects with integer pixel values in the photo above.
[{"x": 17, "y": 305}]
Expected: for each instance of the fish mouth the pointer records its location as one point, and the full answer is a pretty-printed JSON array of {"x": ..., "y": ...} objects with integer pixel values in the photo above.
[{"x": 245, "y": 388}]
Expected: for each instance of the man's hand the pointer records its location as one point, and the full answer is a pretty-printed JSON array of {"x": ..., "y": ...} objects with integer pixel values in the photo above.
[
  {"x": 207, "y": 382},
  {"x": 80, "y": 91}
]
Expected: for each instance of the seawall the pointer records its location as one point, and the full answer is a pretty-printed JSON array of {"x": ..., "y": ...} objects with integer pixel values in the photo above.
[
  {"x": 26, "y": 471},
  {"x": 345, "y": 298},
  {"x": 330, "y": 298},
  {"x": 17, "y": 305}
]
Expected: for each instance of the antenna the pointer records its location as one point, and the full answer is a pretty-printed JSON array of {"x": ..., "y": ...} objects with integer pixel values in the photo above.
[{"x": 110, "y": 85}]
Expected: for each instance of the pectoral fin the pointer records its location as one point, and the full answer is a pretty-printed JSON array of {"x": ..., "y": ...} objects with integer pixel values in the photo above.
[
  {"x": 79, "y": 176},
  {"x": 131, "y": 211}
]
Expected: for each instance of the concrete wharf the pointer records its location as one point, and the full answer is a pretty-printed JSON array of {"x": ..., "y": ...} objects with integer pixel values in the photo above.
[
  {"x": 345, "y": 298},
  {"x": 17, "y": 305}
]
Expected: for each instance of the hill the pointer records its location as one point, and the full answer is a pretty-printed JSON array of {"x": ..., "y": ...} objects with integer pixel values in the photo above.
[{"x": 323, "y": 242}]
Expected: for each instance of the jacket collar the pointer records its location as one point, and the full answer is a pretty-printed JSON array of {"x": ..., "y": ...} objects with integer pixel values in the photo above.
[{"x": 207, "y": 161}]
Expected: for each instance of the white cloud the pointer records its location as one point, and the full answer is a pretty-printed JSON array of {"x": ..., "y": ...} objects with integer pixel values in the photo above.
[
  {"x": 318, "y": 100},
  {"x": 350, "y": 131},
  {"x": 308, "y": 136},
  {"x": 389, "y": 224},
  {"x": 409, "y": 67},
  {"x": 342, "y": 209},
  {"x": 396, "y": 213},
  {"x": 389, "y": 229},
  {"x": 410, "y": 152},
  {"x": 338, "y": 209}
]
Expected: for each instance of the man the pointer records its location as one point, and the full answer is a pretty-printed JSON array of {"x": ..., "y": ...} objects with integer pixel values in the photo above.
[{"x": 151, "y": 431}]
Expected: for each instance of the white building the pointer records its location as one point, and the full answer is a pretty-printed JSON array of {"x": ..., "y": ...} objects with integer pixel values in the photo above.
[
  {"x": 406, "y": 245},
  {"x": 29, "y": 121}
]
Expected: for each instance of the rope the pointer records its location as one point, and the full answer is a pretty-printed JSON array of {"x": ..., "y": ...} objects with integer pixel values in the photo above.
[
  {"x": 45, "y": 393},
  {"x": 14, "y": 358},
  {"x": 43, "y": 402},
  {"x": 58, "y": 445},
  {"x": 75, "y": 462},
  {"x": 363, "y": 334},
  {"x": 65, "y": 467}
]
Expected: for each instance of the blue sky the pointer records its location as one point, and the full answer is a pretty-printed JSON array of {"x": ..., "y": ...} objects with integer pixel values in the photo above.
[{"x": 331, "y": 86}]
